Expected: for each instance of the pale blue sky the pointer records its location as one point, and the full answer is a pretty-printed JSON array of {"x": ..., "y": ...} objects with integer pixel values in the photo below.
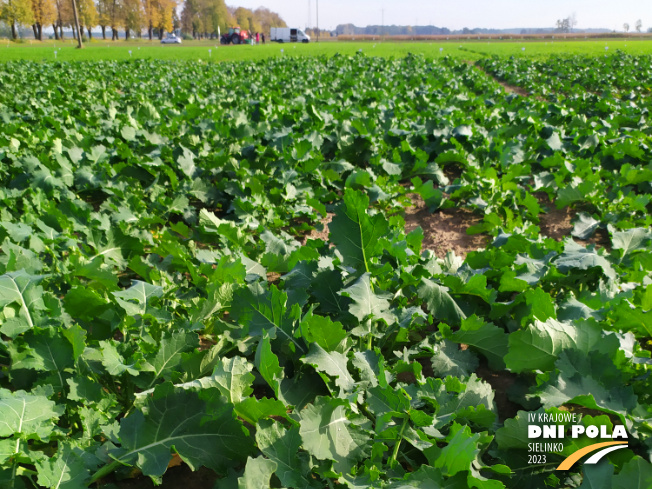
[{"x": 501, "y": 14}]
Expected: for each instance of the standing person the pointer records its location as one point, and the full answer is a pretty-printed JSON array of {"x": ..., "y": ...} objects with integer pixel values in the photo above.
[
  {"x": 257, "y": 37},
  {"x": 263, "y": 37}
]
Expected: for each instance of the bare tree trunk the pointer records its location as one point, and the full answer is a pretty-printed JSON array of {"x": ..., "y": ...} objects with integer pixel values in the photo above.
[
  {"x": 103, "y": 27},
  {"x": 14, "y": 34},
  {"x": 76, "y": 26},
  {"x": 90, "y": 34},
  {"x": 35, "y": 31},
  {"x": 150, "y": 30},
  {"x": 126, "y": 33},
  {"x": 56, "y": 34},
  {"x": 61, "y": 30}
]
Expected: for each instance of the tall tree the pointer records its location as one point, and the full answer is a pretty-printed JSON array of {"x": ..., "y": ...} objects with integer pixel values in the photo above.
[
  {"x": 202, "y": 18},
  {"x": 16, "y": 13},
  {"x": 44, "y": 12},
  {"x": 103, "y": 15},
  {"x": 166, "y": 10},
  {"x": 189, "y": 17},
  {"x": 64, "y": 16},
  {"x": 150, "y": 7},
  {"x": 87, "y": 15},
  {"x": 133, "y": 17},
  {"x": 639, "y": 25},
  {"x": 268, "y": 19},
  {"x": 115, "y": 17}
]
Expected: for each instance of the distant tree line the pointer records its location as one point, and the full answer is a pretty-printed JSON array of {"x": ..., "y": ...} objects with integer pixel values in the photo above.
[
  {"x": 205, "y": 18},
  {"x": 132, "y": 16},
  {"x": 390, "y": 30},
  {"x": 429, "y": 30},
  {"x": 200, "y": 18}
]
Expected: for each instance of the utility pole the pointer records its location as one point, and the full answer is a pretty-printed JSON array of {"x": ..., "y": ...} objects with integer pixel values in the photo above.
[
  {"x": 317, "y": 20},
  {"x": 74, "y": 11}
]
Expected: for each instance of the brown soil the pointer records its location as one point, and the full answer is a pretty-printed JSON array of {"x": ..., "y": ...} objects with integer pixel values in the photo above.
[
  {"x": 273, "y": 277},
  {"x": 556, "y": 223},
  {"x": 318, "y": 233},
  {"x": 180, "y": 477},
  {"x": 512, "y": 88},
  {"x": 444, "y": 230},
  {"x": 500, "y": 382},
  {"x": 508, "y": 88}
]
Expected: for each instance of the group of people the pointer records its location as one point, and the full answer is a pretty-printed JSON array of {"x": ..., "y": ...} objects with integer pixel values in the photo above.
[{"x": 259, "y": 36}]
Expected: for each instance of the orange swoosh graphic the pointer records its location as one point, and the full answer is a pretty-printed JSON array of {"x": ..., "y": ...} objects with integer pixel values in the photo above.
[{"x": 574, "y": 457}]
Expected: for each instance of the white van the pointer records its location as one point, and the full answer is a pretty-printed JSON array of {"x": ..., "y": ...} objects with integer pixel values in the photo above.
[{"x": 288, "y": 34}]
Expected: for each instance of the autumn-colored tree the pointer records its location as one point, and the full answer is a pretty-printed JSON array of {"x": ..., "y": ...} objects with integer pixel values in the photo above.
[
  {"x": 166, "y": 10},
  {"x": 159, "y": 15},
  {"x": 189, "y": 16},
  {"x": 133, "y": 18},
  {"x": 64, "y": 17},
  {"x": 44, "y": 12},
  {"x": 150, "y": 8},
  {"x": 87, "y": 15},
  {"x": 16, "y": 12},
  {"x": 268, "y": 19},
  {"x": 115, "y": 15},
  {"x": 241, "y": 15},
  {"x": 202, "y": 18},
  {"x": 103, "y": 15},
  {"x": 222, "y": 18}
]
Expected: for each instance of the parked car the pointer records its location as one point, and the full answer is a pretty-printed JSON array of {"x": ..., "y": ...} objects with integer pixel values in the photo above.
[{"x": 171, "y": 39}]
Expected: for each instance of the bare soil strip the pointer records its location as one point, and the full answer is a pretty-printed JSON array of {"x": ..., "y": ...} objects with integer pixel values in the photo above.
[{"x": 444, "y": 230}]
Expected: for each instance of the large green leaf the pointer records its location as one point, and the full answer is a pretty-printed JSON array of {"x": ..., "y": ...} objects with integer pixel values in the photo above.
[
  {"x": 268, "y": 365},
  {"x": 179, "y": 420},
  {"x": 367, "y": 304},
  {"x": 48, "y": 351},
  {"x": 257, "y": 473},
  {"x": 140, "y": 299},
  {"x": 597, "y": 476},
  {"x": 460, "y": 452},
  {"x": 538, "y": 345},
  {"x": 631, "y": 240},
  {"x": 265, "y": 311},
  {"x": 64, "y": 471},
  {"x": 234, "y": 378},
  {"x": 331, "y": 363},
  {"x": 576, "y": 257},
  {"x": 169, "y": 355},
  {"x": 635, "y": 474},
  {"x": 323, "y": 331},
  {"x": 282, "y": 446},
  {"x": 440, "y": 304},
  {"x": 328, "y": 433},
  {"x": 487, "y": 338},
  {"x": 355, "y": 233},
  {"x": 22, "y": 289},
  {"x": 27, "y": 415}
]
